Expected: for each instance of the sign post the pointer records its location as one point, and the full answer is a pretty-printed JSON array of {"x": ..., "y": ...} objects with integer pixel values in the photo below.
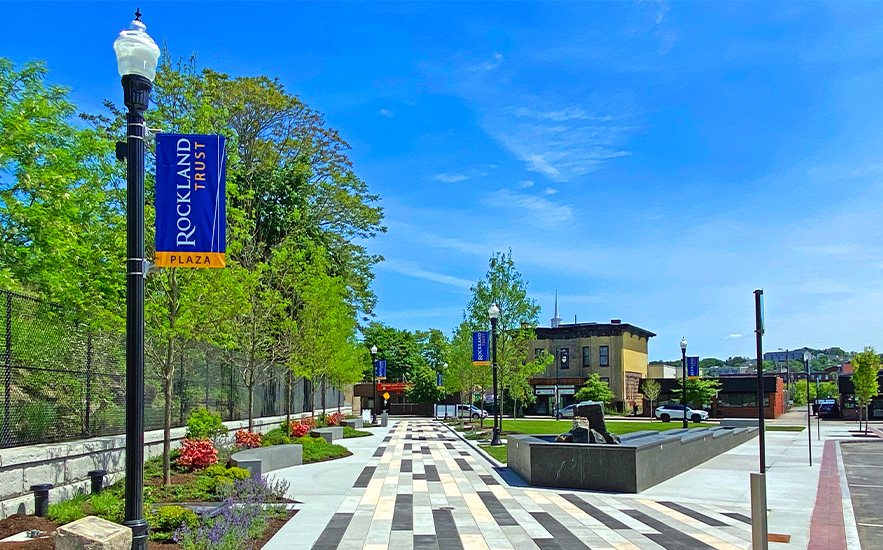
[{"x": 759, "y": 531}]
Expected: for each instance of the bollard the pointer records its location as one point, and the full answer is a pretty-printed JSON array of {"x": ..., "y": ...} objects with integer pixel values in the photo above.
[
  {"x": 41, "y": 499},
  {"x": 383, "y": 419},
  {"x": 759, "y": 537},
  {"x": 97, "y": 477}
]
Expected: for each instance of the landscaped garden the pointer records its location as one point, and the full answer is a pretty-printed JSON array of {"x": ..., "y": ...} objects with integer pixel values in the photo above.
[{"x": 202, "y": 504}]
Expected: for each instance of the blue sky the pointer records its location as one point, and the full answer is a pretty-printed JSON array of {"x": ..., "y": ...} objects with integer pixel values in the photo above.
[{"x": 653, "y": 162}]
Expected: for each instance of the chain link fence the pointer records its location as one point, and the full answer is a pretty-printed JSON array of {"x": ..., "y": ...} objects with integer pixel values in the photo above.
[{"x": 62, "y": 381}]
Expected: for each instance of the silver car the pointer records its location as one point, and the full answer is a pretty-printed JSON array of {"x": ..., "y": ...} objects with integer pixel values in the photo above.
[{"x": 566, "y": 412}]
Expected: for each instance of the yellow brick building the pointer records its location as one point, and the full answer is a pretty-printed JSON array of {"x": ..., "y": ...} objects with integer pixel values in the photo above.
[{"x": 616, "y": 351}]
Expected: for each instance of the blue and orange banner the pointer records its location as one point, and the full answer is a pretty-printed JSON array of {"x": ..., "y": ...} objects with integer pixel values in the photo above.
[
  {"x": 692, "y": 367},
  {"x": 190, "y": 200},
  {"x": 481, "y": 348}
]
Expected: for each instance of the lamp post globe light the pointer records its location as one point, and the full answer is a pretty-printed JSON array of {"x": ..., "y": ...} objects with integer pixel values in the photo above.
[
  {"x": 684, "y": 379},
  {"x": 137, "y": 55},
  {"x": 494, "y": 313},
  {"x": 374, "y": 383}
]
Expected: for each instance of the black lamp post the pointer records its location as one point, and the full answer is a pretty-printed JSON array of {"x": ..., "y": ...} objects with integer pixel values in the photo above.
[
  {"x": 494, "y": 313},
  {"x": 374, "y": 383},
  {"x": 806, "y": 356},
  {"x": 137, "y": 55},
  {"x": 684, "y": 379}
]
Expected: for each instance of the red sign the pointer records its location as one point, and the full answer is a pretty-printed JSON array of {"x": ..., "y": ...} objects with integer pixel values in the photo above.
[{"x": 396, "y": 387}]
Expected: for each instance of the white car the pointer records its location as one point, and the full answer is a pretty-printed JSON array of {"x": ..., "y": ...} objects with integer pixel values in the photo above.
[
  {"x": 471, "y": 411},
  {"x": 676, "y": 412},
  {"x": 566, "y": 412}
]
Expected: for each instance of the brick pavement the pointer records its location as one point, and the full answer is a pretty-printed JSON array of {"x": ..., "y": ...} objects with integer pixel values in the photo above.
[
  {"x": 827, "y": 530},
  {"x": 423, "y": 489}
]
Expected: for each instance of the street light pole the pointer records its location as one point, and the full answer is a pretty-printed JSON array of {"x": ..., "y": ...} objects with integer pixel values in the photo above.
[
  {"x": 494, "y": 314},
  {"x": 684, "y": 379},
  {"x": 808, "y": 407},
  {"x": 374, "y": 384},
  {"x": 137, "y": 55}
]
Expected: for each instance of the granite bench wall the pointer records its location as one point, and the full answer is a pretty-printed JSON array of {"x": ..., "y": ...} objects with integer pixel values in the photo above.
[
  {"x": 261, "y": 460},
  {"x": 65, "y": 465},
  {"x": 642, "y": 460}
]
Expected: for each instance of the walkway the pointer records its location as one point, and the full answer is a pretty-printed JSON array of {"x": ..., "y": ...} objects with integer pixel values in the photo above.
[{"x": 423, "y": 488}]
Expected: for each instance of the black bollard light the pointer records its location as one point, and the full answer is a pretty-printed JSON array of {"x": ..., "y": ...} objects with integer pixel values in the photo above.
[
  {"x": 41, "y": 499},
  {"x": 97, "y": 478}
]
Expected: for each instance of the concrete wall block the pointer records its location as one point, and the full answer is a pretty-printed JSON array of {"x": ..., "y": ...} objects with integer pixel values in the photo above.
[
  {"x": 19, "y": 505},
  {"x": 12, "y": 483},
  {"x": 76, "y": 468},
  {"x": 51, "y": 472},
  {"x": 69, "y": 491},
  {"x": 93, "y": 533}
]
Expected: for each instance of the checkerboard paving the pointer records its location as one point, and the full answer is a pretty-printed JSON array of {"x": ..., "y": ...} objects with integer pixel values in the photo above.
[{"x": 424, "y": 490}]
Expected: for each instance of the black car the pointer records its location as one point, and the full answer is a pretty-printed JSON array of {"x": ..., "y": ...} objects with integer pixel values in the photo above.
[{"x": 829, "y": 410}]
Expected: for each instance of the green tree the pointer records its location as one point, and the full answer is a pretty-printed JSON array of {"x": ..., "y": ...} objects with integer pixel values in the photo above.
[
  {"x": 424, "y": 389},
  {"x": 651, "y": 390},
  {"x": 827, "y": 390},
  {"x": 462, "y": 375},
  {"x": 400, "y": 349},
  {"x": 700, "y": 391},
  {"x": 504, "y": 286},
  {"x": 62, "y": 221},
  {"x": 595, "y": 389},
  {"x": 708, "y": 364},
  {"x": 865, "y": 366}
]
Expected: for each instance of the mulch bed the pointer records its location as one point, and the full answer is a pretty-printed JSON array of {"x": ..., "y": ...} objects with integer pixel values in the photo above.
[{"x": 17, "y": 523}]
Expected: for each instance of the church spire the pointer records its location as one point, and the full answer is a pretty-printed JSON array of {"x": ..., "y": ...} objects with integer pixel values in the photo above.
[{"x": 556, "y": 320}]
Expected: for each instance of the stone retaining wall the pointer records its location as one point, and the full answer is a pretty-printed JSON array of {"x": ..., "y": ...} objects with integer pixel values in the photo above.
[{"x": 65, "y": 464}]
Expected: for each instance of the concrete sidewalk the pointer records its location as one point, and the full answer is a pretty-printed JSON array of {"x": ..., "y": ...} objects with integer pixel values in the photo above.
[{"x": 321, "y": 487}]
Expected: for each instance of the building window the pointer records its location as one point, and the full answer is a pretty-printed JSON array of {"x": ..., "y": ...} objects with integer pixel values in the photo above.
[
  {"x": 538, "y": 352},
  {"x": 565, "y": 360},
  {"x": 587, "y": 356},
  {"x": 605, "y": 356},
  {"x": 741, "y": 400},
  {"x": 605, "y": 379}
]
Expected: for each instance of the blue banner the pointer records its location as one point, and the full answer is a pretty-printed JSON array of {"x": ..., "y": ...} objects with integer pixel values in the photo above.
[
  {"x": 481, "y": 348},
  {"x": 692, "y": 367},
  {"x": 380, "y": 369},
  {"x": 190, "y": 200},
  {"x": 438, "y": 379}
]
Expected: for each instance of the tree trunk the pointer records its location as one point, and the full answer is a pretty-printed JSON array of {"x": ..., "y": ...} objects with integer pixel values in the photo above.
[
  {"x": 481, "y": 417},
  {"x": 288, "y": 398},
  {"x": 323, "y": 396},
  {"x": 339, "y": 401},
  {"x": 167, "y": 431},
  {"x": 250, "y": 387}
]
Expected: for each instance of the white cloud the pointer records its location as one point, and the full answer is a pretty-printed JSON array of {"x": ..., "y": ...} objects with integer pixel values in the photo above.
[
  {"x": 734, "y": 336},
  {"x": 386, "y": 112},
  {"x": 450, "y": 178},
  {"x": 491, "y": 63},
  {"x": 525, "y": 184},
  {"x": 550, "y": 191},
  {"x": 538, "y": 207},
  {"x": 412, "y": 270}
]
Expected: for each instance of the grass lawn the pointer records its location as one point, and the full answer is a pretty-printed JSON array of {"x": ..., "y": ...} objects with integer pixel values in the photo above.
[
  {"x": 555, "y": 427},
  {"x": 784, "y": 428},
  {"x": 498, "y": 452}
]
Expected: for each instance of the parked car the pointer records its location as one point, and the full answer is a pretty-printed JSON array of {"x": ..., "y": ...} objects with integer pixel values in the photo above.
[
  {"x": 829, "y": 410},
  {"x": 471, "y": 411},
  {"x": 676, "y": 412},
  {"x": 566, "y": 412}
]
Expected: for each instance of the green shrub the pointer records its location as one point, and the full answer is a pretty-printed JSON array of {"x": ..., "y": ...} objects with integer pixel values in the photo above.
[
  {"x": 169, "y": 519},
  {"x": 35, "y": 420},
  {"x": 205, "y": 425},
  {"x": 352, "y": 432},
  {"x": 67, "y": 511},
  {"x": 316, "y": 449},
  {"x": 108, "y": 506},
  {"x": 216, "y": 477},
  {"x": 275, "y": 437}
]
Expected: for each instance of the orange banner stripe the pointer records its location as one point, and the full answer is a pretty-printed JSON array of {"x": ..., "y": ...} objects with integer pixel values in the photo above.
[{"x": 190, "y": 259}]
